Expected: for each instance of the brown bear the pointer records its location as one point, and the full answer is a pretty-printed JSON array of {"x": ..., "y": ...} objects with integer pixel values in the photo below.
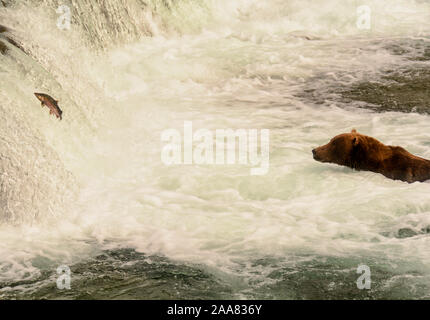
[{"x": 361, "y": 152}]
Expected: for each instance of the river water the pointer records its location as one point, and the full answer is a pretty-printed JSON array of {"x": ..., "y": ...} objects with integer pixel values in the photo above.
[{"x": 91, "y": 192}]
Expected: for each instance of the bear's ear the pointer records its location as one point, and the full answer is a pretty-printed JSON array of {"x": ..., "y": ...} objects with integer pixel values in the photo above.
[{"x": 353, "y": 131}]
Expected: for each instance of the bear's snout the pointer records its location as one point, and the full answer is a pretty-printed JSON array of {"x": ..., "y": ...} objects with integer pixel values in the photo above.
[
  {"x": 321, "y": 154},
  {"x": 315, "y": 154}
]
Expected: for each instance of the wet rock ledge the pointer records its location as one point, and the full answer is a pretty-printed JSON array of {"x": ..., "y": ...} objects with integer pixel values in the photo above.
[
  {"x": 407, "y": 91},
  {"x": 5, "y": 36}
]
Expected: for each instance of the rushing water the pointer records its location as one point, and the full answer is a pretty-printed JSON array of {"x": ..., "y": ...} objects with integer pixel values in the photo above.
[{"x": 92, "y": 193}]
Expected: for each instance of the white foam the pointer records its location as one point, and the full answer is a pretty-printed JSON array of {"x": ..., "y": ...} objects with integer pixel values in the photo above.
[{"x": 241, "y": 73}]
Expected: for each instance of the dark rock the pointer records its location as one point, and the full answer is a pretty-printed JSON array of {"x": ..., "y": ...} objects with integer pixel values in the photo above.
[
  {"x": 406, "y": 233},
  {"x": 3, "y": 48}
]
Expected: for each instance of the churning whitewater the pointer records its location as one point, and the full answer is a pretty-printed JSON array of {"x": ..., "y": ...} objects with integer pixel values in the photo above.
[{"x": 91, "y": 192}]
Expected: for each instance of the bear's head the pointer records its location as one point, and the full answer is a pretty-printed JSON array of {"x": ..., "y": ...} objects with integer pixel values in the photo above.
[{"x": 342, "y": 149}]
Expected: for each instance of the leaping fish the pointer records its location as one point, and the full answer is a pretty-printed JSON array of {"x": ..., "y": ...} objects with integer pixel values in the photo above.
[{"x": 51, "y": 103}]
